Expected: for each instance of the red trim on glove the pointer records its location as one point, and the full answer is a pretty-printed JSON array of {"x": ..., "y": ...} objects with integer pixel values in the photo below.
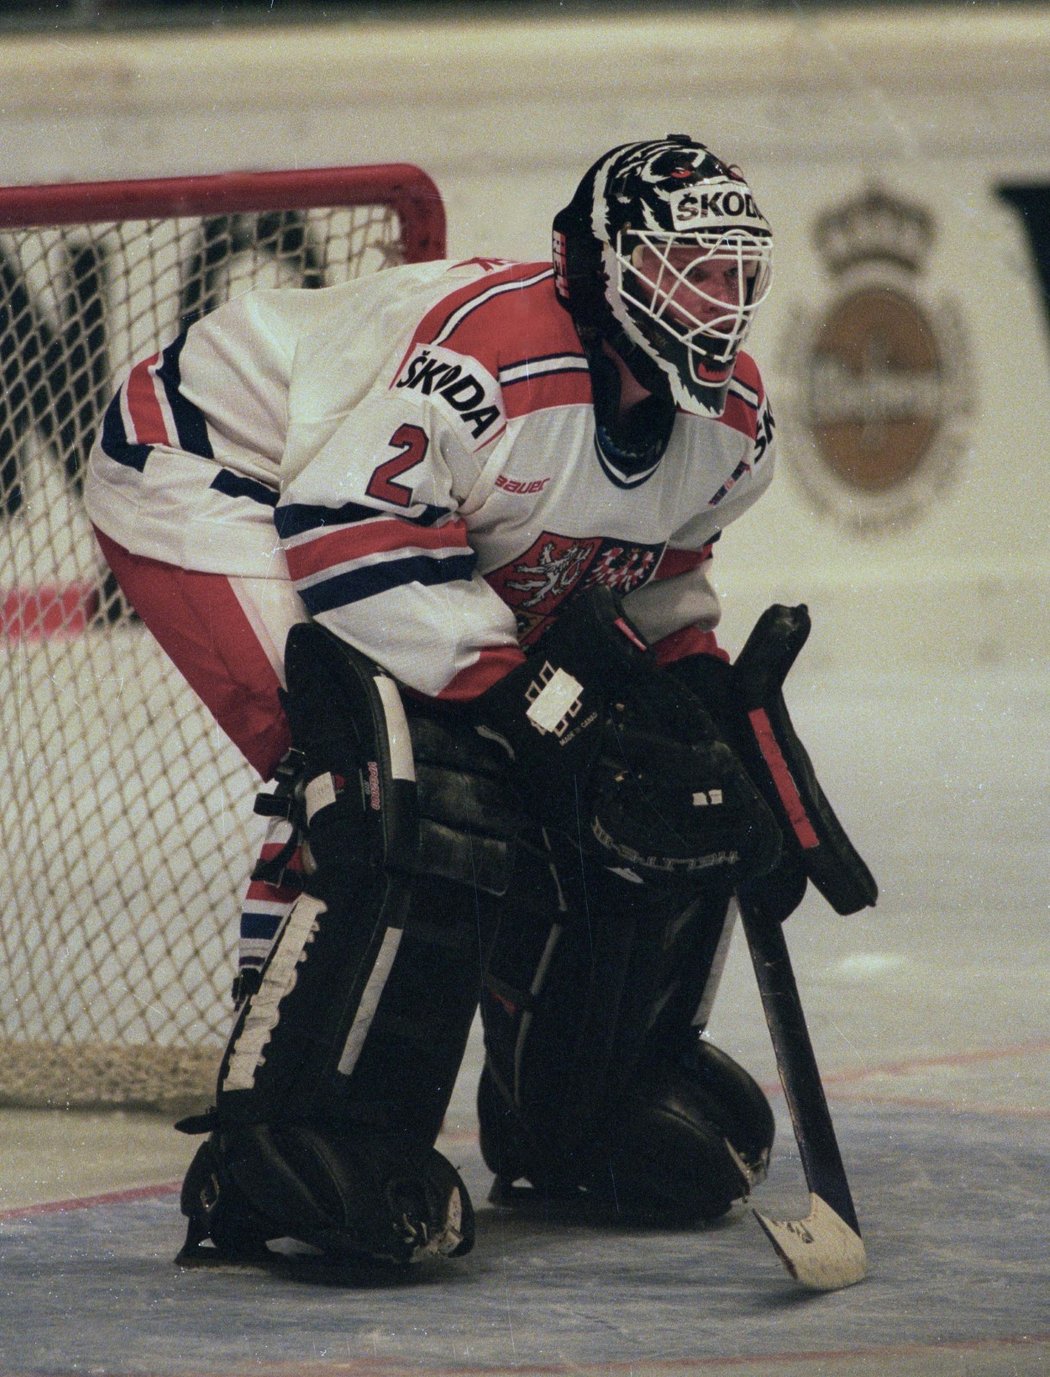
[{"x": 786, "y": 787}]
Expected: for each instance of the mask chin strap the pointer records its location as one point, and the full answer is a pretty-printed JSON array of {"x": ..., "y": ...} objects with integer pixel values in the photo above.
[{"x": 632, "y": 444}]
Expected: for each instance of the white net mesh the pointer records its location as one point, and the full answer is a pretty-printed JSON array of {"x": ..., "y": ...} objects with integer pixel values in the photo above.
[{"x": 125, "y": 820}]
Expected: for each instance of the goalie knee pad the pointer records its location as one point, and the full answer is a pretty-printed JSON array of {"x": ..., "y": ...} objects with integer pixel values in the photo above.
[
  {"x": 687, "y": 1139},
  {"x": 683, "y": 1142}
]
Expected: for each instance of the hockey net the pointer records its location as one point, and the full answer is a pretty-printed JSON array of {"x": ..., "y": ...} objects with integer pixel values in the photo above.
[{"x": 127, "y": 826}]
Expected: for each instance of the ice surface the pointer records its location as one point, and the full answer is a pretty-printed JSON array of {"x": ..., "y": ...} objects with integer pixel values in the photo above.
[{"x": 928, "y": 1017}]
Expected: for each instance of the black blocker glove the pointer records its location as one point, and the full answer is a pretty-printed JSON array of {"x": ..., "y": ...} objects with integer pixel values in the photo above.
[
  {"x": 746, "y": 701},
  {"x": 606, "y": 748}
]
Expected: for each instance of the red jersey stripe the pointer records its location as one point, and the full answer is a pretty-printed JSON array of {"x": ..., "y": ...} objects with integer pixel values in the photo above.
[
  {"x": 269, "y": 850},
  {"x": 440, "y": 320},
  {"x": 524, "y": 317},
  {"x": 499, "y": 311},
  {"x": 347, "y": 543},
  {"x": 261, "y": 891},
  {"x": 144, "y": 406},
  {"x": 689, "y": 641},
  {"x": 493, "y": 664},
  {"x": 571, "y": 388},
  {"x": 744, "y": 402},
  {"x": 675, "y": 562},
  {"x": 738, "y": 415}
]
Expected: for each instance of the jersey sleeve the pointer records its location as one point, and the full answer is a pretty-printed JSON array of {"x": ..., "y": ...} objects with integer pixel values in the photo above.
[{"x": 375, "y": 537}]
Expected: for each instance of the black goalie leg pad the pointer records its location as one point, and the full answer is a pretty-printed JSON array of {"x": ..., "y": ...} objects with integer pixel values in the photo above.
[
  {"x": 342, "y": 1061},
  {"x": 595, "y": 1079},
  {"x": 341, "y": 1156}
]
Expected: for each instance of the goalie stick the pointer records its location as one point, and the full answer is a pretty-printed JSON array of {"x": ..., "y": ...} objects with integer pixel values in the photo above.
[{"x": 824, "y": 1251}]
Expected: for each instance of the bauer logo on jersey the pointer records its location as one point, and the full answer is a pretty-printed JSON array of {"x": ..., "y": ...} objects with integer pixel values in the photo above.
[{"x": 467, "y": 394}]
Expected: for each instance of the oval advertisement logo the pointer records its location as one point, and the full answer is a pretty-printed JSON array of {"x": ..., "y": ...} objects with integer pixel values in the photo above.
[{"x": 878, "y": 375}]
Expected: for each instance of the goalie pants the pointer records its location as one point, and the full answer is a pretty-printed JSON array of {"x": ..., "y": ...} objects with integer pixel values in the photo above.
[{"x": 226, "y": 637}]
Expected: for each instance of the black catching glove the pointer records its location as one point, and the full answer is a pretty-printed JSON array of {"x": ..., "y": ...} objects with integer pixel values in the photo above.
[
  {"x": 746, "y": 701},
  {"x": 606, "y": 748}
]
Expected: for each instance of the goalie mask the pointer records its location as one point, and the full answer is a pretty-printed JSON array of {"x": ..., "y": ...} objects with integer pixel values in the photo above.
[{"x": 663, "y": 253}]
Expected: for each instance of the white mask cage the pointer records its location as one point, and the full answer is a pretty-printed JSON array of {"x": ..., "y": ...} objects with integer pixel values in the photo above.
[{"x": 661, "y": 279}]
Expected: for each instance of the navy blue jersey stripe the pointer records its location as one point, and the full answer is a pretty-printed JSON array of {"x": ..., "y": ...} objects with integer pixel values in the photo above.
[
  {"x": 622, "y": 477},
  {"x": 298, "y": 517},
  {"x": 259, "y": 924},
  {"x": 235, "y": 485},
  {"x": 357, "y": 584},
  {"x": 190, "y": 425},
  {"x": 114, "y": 440}
]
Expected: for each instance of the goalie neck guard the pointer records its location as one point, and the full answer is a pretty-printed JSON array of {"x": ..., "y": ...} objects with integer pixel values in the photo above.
[{"x": 633, "y": 250}]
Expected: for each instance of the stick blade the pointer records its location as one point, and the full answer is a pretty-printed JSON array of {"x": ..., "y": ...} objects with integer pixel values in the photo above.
[{"x": 821, "y": 1251}]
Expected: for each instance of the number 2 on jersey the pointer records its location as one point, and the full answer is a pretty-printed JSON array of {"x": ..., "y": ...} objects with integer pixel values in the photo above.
[{"x": 411, "y": 444}]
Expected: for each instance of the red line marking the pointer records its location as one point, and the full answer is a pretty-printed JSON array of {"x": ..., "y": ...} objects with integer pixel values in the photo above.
[
  {"x": 953, "y": 1106},
  {"x": 913, "y": 1064},
  {"x": 457, "y": 1138},
  {"x": 85, "y": 1202},
  {"x": 910, "y": 1064},
  {"x": 642, "y": 1367},
  {"x": 639, "y": 1367},
  {"x": 465, "y": 1136}
]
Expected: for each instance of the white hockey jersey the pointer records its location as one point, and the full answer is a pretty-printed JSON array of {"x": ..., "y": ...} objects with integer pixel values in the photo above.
[{"x": 417, "y": 451}]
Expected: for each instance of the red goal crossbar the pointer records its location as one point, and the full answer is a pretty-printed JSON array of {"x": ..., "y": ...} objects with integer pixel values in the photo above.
[{"x": 408, "y": 190}]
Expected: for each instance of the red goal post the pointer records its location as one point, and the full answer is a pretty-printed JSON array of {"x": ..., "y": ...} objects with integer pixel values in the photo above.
[{"x": 125, "y": 820}]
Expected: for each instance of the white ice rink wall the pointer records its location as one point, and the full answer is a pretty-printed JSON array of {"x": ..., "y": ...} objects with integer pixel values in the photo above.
[{"x": 907, "y": 346}]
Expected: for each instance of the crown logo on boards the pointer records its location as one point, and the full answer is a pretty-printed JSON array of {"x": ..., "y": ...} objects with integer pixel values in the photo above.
[{"x": 874, "y": 226}]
